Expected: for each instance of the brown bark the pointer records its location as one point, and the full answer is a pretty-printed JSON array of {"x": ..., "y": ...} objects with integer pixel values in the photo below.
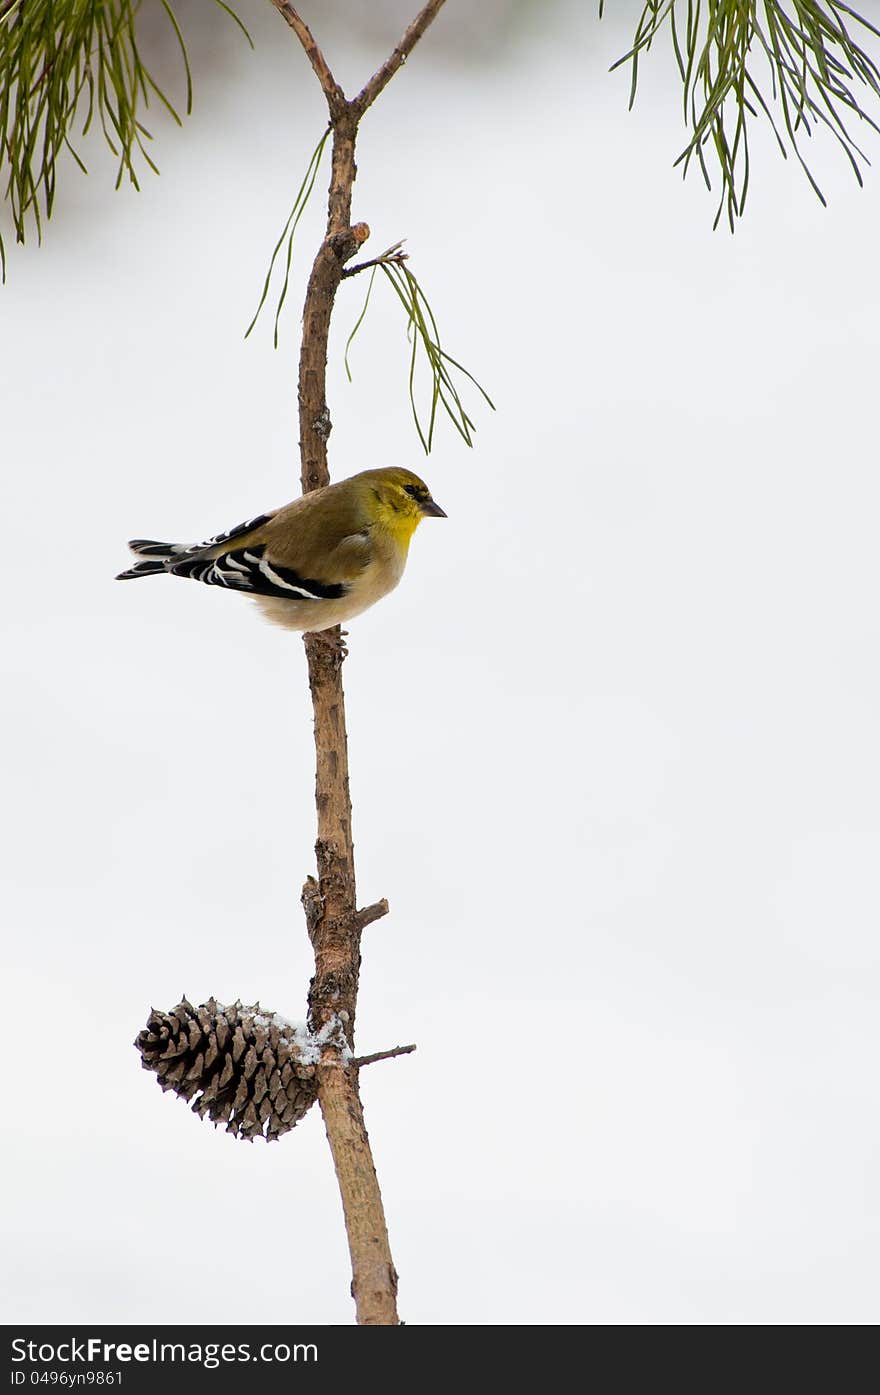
[
  {"x": 397, "y": 57},
  {"x": 373, "y": 1276},
  {"x": 332, "y": 91},
  {"x": 334, "y": 923}
]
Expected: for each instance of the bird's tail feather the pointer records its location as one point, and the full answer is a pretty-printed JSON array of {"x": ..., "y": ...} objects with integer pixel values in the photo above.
[
  {"x": 154, "y": 554},
  {"x": 146, "y": 547},
  {"x": 150, "y": 567}
]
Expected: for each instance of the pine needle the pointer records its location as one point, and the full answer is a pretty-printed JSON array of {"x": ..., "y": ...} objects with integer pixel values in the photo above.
[
  {"x": 287, "y": 233},
  {"x": 422, "y": 333},
  {"x": 728, "y": 51},
  {"x": 62, "y": 61}
]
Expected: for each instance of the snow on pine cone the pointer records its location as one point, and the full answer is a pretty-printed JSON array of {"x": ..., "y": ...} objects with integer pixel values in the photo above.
[{"x": 242, "y": 1066}]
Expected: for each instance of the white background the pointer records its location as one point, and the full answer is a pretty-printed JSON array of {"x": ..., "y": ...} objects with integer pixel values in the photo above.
[{"x": 614, "y": 742}]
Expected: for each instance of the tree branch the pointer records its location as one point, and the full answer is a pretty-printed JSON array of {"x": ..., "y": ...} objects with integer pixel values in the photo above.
[
  {"x": 331, "y": 904},
  {"x": 332, "y": 91},
  {"x": 368, "y": 914},
  {"x": 374, "y": 1278},
  {"x": 334, "y": 923},
  {"x": 358, "y": 1061},
  {"x": 397, "y": 58},
  {"x": 392, "y": 255}
]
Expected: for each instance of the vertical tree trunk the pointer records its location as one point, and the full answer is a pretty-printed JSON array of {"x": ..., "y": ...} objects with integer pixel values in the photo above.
[
  {"x": 331, "y": 907},
  {"x": 334, "y": 923}
]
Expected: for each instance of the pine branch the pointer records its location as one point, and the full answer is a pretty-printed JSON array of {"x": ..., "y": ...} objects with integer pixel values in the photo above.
[
  {"x": 332, "y": 91},
  {"x": 359, "y": 1061},
  {"x": 64, "y": 63},
  {"x": 334, "y": 923},
  {"x": 397, "y": 57},
  {"x": 797, "y": 64}
]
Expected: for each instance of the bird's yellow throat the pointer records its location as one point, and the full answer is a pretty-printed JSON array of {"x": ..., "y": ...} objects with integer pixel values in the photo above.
[{"x": 399, "y": 523}]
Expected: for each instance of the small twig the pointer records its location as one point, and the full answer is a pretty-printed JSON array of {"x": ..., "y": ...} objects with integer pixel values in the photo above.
[
  {"x": 382, "y": 1055},
  {"x": 398, "y": 57},
  {"x": 391, "y": 255},
  {"x": 332, "y": 91},
  {"x": 344, "y": 244},
  {"x": 43, "y": 75},
  {"x": 368, "y": 914}
]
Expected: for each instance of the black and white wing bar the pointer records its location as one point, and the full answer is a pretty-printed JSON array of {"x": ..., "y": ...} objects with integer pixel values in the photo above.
[{"x": 248, "y": 569}]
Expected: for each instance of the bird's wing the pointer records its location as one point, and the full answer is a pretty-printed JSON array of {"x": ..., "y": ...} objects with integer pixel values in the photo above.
[
  {"x": 217, "y": 545},
  {"x": 320, "y": 543},
  {"x": 272, "y": 561},
  {"x": 248, "y": 568}
]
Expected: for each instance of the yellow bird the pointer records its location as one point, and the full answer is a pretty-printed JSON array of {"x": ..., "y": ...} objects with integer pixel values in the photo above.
[{"x": 314, "y": 563}]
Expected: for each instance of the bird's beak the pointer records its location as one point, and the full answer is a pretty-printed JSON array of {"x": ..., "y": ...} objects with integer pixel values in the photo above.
[{"x": 432, "y": 510}]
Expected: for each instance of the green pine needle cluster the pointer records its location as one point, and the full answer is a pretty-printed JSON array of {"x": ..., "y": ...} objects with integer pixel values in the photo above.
[
  {"x": 65, "y": 65},
  {"x": 421, "y": 324},
  {"x": 798, "y": 63},
  {"x": 424, "y": 335},
  {"x": 288, "y": 233}
]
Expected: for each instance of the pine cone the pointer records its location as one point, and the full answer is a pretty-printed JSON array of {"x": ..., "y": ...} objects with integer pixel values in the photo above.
[{"x": 247, "y": 1068}]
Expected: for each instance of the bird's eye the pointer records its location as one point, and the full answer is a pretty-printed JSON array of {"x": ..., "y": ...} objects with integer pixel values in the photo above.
[{"x": 412, "y": 489}]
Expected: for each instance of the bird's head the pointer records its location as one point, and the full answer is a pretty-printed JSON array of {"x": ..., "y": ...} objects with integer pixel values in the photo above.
[{"x": 401, "y": 500}]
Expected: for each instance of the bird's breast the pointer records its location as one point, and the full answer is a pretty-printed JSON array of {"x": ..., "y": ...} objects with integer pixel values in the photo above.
[{"x": 379, "y": 576}]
